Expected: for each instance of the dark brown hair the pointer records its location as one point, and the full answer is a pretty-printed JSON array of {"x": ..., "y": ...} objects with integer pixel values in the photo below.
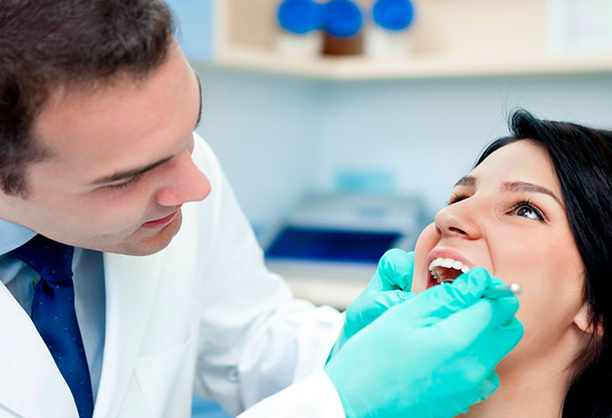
[
  {"x": 47, "y": 44},
  {"x": 582, "y": 158}
]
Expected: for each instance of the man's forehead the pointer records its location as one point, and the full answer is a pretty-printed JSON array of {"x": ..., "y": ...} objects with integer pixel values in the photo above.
[{"x": 124, "y": 125}]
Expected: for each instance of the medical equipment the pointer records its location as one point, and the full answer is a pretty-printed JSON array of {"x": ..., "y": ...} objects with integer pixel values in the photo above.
[
  {"x": 443, "y": 325},
  {"x": 499, "y": 291},
  {"x": 502, "y": 291},
  {"x": 343, "y": 234},
  {"x": 329, "y": 246}
]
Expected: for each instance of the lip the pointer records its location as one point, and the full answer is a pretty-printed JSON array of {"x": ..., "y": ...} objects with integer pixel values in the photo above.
[
  {"x": 161, "y": 222},
  {"x": 443, "y": 253}
]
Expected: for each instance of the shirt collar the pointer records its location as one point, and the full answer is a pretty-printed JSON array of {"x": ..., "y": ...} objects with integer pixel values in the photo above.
[{"x": 13, "y": 236}]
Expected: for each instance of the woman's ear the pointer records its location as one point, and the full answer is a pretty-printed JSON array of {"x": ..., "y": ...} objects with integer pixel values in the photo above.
[{"x": 582, "y": 321}]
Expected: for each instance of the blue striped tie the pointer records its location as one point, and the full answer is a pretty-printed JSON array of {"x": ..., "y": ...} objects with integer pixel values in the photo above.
[{"x": 54, "y": 316}]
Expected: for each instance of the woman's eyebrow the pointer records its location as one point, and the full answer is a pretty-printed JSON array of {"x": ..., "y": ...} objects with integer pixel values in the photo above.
[
  {"x": 467, "y": 181},
  {"x": 522, "y": 186}
]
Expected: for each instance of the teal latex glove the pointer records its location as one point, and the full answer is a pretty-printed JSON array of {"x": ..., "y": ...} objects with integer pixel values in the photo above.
[
  {"x": 431, "y": 357},
  {"x": 389, "y": 286}
]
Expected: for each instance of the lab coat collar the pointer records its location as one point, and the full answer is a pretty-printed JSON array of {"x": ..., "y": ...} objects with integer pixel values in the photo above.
[
  {"x": 131, "y": 284},
  {"x": 131, "y": 287},
  {"x": 28, "y": 369},
  {"x": 31, "y": 384}
]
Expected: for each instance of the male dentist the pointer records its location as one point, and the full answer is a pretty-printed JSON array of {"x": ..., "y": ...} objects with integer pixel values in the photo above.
[{"x": 130, "y": 277}]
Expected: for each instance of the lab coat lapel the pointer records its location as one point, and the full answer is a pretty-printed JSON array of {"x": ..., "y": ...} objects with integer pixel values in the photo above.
[
  {"x": 131, "y": 283},
  {"x": 31, "y": 384}
]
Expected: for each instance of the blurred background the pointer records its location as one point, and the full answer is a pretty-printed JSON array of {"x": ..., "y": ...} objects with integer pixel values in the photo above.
[{"x": 343, "y": 125}]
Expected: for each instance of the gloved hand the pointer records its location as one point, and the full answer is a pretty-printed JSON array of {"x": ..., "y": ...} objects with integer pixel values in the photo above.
[
  {"x": 389, "y": 286},
  {"x": 431, "y": 357}
]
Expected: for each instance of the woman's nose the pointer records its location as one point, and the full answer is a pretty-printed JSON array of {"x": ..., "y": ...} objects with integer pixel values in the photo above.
[
  {"x": 185, "y": 183},
  {"x": 459, "y": 219}
]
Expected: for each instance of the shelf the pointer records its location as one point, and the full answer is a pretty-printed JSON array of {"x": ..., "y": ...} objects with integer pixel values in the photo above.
[
  {"x": 423, "y": 67},
  {"x": 451, "y": 38}
]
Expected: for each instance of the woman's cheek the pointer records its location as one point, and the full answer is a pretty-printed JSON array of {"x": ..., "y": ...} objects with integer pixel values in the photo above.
[{"x": 426, "y": 242}]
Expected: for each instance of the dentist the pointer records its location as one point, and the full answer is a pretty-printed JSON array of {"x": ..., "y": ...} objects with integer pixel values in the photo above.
[{"x": 130, "y": 277}]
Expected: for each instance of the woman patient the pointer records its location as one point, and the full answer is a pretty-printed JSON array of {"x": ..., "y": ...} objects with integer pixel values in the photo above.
[{"x": 537, "y": 210}]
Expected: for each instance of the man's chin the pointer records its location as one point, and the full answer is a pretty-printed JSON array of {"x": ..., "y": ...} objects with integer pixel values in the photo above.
[{"x": 152, "y": 242}]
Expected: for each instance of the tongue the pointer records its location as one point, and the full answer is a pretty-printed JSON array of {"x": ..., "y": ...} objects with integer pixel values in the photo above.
[{"x": 451, "y": 274}]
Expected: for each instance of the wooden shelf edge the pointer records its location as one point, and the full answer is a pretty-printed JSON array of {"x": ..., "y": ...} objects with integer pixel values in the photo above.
[{"x": 360, "y": 68}]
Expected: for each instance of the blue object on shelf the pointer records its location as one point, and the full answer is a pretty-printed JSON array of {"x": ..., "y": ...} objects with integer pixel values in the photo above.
[
  {"x": 343, "y": 18},
  {"x": 393, "y": 14},
  {"x": 300, "y": 16}
]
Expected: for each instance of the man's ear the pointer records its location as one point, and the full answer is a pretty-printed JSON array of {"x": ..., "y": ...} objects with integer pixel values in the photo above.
[{"x": 582, "y": 321}]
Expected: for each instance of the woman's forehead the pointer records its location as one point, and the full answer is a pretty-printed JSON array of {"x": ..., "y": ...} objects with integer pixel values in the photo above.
[{"x": 523, "y": 160}]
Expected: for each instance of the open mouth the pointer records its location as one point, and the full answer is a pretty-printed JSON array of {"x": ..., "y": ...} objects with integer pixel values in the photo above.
[{"x": 443, "y": 270}]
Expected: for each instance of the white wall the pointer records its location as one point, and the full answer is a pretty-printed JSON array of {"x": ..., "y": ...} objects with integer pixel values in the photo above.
[
  {"x": 278, "y": 137},
  {"x": 265, "y": 133},
  {"x": 428, "y": 133}
]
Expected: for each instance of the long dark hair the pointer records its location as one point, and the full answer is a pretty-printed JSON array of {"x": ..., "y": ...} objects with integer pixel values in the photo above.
[{"x": 582, "y": 158}]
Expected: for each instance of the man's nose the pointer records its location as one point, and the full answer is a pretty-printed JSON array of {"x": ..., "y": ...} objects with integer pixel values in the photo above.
[
  {"x": 185, "y": 183},
  {"x": 460, "y": 219}
]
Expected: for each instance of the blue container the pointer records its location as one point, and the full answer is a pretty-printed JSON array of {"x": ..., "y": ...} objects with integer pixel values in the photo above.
[
  {"x": 394, "y": 15},
  {"x": 343, "y": 18},
  {"x": 300, "y": 16}
]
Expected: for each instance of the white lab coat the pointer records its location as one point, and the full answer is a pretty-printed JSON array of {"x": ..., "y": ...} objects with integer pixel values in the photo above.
[{"x": 204, "y": 310}]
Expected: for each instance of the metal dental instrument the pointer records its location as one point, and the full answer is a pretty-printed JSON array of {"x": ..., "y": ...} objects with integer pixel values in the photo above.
[
  {"x": 502, "y": 291},
  {"x": 499, "y": 291}
]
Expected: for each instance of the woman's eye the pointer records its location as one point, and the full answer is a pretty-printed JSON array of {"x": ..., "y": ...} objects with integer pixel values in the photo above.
[
  {"x": 455, "y": 198},
  {"x": 528, "y": 211}
]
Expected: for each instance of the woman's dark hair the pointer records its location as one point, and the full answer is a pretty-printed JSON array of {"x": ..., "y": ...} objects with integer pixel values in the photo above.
[
  {"x": 582, "y": 158},
  {"x": 45, "y": 44}
]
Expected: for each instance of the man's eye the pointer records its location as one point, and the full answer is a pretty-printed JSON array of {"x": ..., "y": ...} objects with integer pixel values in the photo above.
[
  {"x": 126, "y": 184},
  {"x": 527, "y": 210}
]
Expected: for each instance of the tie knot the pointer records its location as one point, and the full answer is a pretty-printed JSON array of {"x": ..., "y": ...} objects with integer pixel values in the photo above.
[{"x": 51, "y": 260}]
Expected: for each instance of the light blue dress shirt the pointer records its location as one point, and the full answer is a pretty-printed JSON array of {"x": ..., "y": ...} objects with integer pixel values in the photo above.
[{"x": 88, "y": 267}]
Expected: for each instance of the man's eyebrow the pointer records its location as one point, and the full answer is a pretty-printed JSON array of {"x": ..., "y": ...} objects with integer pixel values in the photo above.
[
  {"x": 123, "y": 175},
  {"x": 200, "y": 110},
  {"x": 467, "y": 181},
  {"x": 521, "y": 186}
]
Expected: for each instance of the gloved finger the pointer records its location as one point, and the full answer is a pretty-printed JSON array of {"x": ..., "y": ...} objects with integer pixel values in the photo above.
[
  {"x": 504, "y": 339},
  {"x": 463, "y": 328},
  {"x": 489, "y": 385},
  {"x": 475, "y": 331},
  {"x": 394, "y": 271},
  {"x": 480, "y": 393},
  {"x": 441, "y": 301},
  {"x": 505, "y": 308},
  {"x": 365, "y": 310},
  {"x": 370, "y": 305}
]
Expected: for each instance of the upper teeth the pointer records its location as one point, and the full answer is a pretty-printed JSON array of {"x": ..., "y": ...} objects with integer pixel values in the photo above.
[{"x": 439, "y": 274}]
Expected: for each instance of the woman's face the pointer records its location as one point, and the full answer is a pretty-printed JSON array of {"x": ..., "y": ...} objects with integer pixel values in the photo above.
[{"x": 508, "y": 216}]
